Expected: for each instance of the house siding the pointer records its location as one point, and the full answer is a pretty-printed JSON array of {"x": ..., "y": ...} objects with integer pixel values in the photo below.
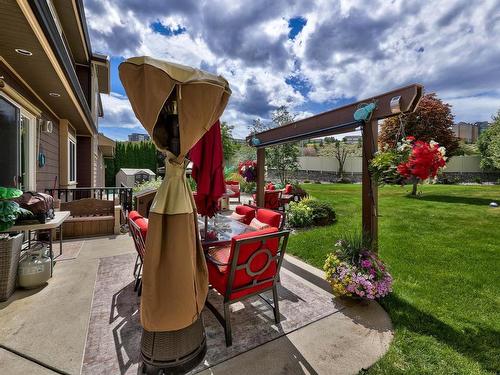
[{"x": 48, "y": 142}]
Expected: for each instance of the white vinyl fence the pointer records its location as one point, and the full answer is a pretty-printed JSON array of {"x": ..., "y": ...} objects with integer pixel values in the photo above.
[{"x": 353, "y": 164}]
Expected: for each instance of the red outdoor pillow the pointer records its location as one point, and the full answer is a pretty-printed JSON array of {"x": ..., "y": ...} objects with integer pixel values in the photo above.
[
  {"x": 288, "y": 189},
  {"x": 269, "y": 217},
  {"x": 134, "y": 215},
  {"x": 143, "y": 226},
  {"x": 248, "y": 212}
]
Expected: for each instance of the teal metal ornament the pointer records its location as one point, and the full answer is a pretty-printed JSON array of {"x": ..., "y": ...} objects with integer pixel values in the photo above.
[
  {"x": 41, "y": 160},
  {"x": 255, "y": 141},
  {"x": 364, "y": 113}
]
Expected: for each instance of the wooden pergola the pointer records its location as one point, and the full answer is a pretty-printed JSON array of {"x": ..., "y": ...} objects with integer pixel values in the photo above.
[{"x": 338, "y": 121}]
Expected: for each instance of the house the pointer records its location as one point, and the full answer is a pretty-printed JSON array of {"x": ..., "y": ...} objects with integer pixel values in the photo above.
[
  {"x": 129, "y": 177},
  {"x": 50, "y": 86},
  {"x": 138, "y": 137},
  {"x": 467, "y": 132},
  {"x": 353, "y": 139}
]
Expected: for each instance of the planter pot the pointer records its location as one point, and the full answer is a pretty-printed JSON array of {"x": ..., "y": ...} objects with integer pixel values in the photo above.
[
  {"x": 10, "y": 250},
  {"x": 353, "y": 301}
]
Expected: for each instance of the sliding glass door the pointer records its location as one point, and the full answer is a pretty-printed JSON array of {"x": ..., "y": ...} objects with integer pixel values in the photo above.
[{"x": 10, "y": 149}]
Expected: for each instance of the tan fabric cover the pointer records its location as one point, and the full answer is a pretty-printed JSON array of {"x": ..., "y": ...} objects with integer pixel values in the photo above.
[
  {"x": 174, "y": 185},
  {"x": 201, "y": 96},
  {"x": 175, "y": 277}
]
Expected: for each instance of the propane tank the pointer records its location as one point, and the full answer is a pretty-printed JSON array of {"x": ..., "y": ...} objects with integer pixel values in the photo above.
[{"x": 35, "y": 269}]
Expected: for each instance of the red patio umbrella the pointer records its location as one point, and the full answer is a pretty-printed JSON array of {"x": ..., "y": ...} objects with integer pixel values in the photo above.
[{"x": 208, "y": 159}]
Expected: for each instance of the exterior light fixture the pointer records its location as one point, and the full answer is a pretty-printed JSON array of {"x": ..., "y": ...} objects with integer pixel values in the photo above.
[
  {"x": 396, "y": 104},
  {"x": 54, "y": 94},
  {"x": 23, "y": 52}
]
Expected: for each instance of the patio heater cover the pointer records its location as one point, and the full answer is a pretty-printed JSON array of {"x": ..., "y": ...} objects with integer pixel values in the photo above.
[{"x": 175, "y": 279}]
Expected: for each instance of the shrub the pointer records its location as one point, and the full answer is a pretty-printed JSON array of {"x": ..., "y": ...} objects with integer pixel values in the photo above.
[
  {"x": 147, "y": 185},
  {"x": 300, "y": 215},
  {"x": 322, "y": 212}
]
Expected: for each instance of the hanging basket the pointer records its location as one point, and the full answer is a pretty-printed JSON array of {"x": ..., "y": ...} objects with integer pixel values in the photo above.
[{"x": 411, "y": 160}]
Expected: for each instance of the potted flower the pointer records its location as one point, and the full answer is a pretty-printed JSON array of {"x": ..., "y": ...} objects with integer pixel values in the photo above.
[
  {"x": 10, "y": 244},
  {"x": 412, "y": 161},
  {"x": 355, "y": 271}
]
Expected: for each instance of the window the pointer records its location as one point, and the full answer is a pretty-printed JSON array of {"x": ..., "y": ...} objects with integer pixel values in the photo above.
[{"x": 72, "y": 160}]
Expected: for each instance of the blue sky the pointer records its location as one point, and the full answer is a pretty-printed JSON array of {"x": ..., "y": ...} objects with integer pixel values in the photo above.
[{"x": 311, "y": 56}]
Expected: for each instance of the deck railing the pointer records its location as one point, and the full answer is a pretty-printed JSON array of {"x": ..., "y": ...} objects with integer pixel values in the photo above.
[{"x": 123, "y": 194}]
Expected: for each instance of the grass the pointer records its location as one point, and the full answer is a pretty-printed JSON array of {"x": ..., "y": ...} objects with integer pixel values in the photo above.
[{"x": 443, "y": 250}]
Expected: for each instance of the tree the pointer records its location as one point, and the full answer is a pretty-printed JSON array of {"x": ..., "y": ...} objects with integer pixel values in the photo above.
[
  {"x": 489, "y": 145},
  {"x": 283, "y": 158},
  {"x": 228, "y": 145},
  {"x": 340, "y": 151},
  {"x": 432, "y": 120}
]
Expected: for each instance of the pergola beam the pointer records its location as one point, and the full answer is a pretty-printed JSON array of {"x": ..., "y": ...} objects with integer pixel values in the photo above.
[{"x": 339, "y": 120}]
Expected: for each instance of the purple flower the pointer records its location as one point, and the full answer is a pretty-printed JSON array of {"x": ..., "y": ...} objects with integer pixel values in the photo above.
[{"x": 365, "y": 263}]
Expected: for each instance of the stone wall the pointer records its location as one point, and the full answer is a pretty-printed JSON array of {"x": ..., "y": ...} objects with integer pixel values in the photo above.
[{"x": 448, "y": 177}]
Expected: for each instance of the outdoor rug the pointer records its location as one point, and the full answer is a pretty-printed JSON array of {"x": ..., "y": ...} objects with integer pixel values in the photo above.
[
  {"x": 113, "y": 341},
  {"x": 71, "y": 250}
]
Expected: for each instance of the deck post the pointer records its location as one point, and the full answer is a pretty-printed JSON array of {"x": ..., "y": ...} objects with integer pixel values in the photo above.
[
  {"x": 369, "y": 187},
  {"x": 261, "y": 163}
]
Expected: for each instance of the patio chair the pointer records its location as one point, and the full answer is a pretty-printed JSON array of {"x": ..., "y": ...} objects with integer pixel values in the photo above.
[
  {"x": 234, "y": 186},
  {"x": 133, "y": 215},
  {"x": 248, "y": 267},
  {"x": 138, "y": 230},
  {"x": 272, "y": 218},
  {"x": 247, "y": 212},
  {"x": 272, "y": 199}
]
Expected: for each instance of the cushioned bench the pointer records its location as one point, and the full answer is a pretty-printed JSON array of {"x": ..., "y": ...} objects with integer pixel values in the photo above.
[{"x": 91, "y": 217}]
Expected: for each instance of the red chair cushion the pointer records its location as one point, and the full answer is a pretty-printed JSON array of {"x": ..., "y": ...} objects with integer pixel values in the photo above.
[
  {"x": 142, "y": 223},
  {"x": 219, "y": 278},
  {"x": 288, "y": 189},
  {"x": 269, "y": 217},
  {"x": 270, "y": 186},
  {"x": 134, "y": 215},
  {"x": 248, "y": 212}
]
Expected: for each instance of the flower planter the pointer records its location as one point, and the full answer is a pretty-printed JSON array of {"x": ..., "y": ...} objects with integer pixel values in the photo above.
[{"x": 10, "y": 250}]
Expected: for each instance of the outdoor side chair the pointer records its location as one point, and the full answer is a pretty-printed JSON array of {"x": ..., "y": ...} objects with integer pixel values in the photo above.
[
  {"x": 138, "y": 230},
  {"x": 248, "y": 267}
]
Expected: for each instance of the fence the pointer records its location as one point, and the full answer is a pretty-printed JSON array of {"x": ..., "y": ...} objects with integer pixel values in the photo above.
[
  {"x": 353, "y": 164},
  {"x": 122, "y": 194},
  {"x": 325, "y": 168}
]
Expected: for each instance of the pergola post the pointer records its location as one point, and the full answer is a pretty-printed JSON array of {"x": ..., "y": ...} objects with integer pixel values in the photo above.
[
  {"x": 261, "y": 163},
  {"x": 369, "y": 187}
]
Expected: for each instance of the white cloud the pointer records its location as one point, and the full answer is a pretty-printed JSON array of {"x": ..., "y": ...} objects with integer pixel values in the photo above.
[
  {"x": 118, "y": 113},
  {"x": 347, "y": 49}
]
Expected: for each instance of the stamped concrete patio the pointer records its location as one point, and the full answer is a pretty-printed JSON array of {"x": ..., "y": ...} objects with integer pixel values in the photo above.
[{"x": 86, "y": 321}]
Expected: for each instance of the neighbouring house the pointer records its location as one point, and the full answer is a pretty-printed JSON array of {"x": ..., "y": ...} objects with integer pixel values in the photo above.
[
  {"x": 482, "y": 126},
  {"x": 467, "y": 132},
  {"x": 138, "y": 137},
  {"x": 50, "y": 86},
  {"x": 353, "y": 139},
  {"x": 130, "y": 177}
]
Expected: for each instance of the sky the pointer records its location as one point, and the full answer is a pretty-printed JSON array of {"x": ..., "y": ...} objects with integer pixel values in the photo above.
[{"x": 309, "y": 55}]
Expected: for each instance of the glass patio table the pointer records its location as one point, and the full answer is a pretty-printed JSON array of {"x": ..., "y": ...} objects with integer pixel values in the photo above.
[{"x": 220, "y": 230}]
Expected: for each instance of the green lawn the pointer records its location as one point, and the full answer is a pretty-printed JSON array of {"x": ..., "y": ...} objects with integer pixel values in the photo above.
[{"x": 443, "y": 250}]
